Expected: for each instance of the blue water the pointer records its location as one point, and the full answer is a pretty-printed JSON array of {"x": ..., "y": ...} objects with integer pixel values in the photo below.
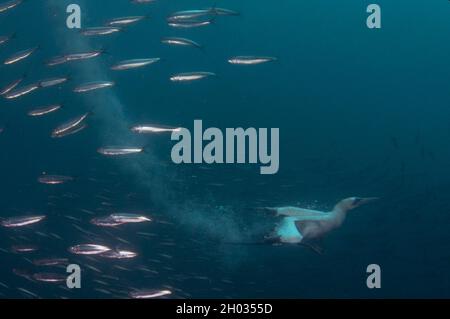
[{"x": 361, "y": 113}]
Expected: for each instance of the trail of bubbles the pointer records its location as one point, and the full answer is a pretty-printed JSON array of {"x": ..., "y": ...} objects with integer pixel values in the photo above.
[
  {"x": 112, "y": 117},
  {"x": 108, "y": 109}
]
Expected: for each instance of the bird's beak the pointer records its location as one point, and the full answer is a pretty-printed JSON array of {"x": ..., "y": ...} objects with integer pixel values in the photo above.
[{"x": 366, "y": 200}]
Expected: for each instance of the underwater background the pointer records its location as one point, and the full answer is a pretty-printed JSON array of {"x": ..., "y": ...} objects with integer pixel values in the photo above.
[{"x": 361, "y": 112}]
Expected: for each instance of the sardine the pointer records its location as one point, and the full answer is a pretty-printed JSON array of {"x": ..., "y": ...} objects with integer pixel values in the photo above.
[
  {"x": 223, "y": 12},
  {"x": 74, "y": 57},
  {"x": 190, "y": 14},
  {"x": 100, "y": 31},
  {"x": 19, "y": 249},
  {"x": 21, "y": 221},
  {"x": 119, "y": 151},
  {"x": 180, "y": 42},
  {"x": 189, "y": 24},
  {"x": 19, "y": 56},
  {"x": 57, "y": 60},
  {"x": 22, "y": 91},
  {"x": 149, "y": 294},
  {"x": 119, "y": 254},
  {"x": 8, "y": 88},
  {"x": 84, "y": 56},
  {"x": 9, "y": 5},
  {"x": 93, "y": 86},
  {"x": 251, "y": 60},
  {"x": 54, "y": 179},
  {"x": 130, "y": 218},
  {"x": 125, "y": 21},
  {"x": 49, "y": 277},
  {"x": 53, "y": 82},
  {"x": 107, "y": 221},
  {"x": 191, "y": 76},
  {"x": 45, "y": 110},
  {"x": 148, "y": 129},
  {"x": 88, "y": 249},
  {"x": 133, "y": 64},
  {"x": 70, "y": 127}
]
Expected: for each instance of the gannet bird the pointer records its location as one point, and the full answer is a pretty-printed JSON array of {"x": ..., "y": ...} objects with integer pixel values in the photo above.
[{"x": 308, "y": 227}]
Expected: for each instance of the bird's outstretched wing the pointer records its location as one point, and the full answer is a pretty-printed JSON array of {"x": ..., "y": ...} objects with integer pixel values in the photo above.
[{"x": 298, "y": 212}]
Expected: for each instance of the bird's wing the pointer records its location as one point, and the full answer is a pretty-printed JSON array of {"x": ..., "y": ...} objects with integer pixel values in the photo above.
[
  {"x": 302, "y": 224},
  {"x": 315, "y": 244},
  {"x": 308, "y": 220},
  {"x": 298, "y": 212}
]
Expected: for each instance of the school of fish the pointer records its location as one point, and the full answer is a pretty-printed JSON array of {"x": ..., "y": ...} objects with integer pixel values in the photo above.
[{"x": 91, "y": 250}]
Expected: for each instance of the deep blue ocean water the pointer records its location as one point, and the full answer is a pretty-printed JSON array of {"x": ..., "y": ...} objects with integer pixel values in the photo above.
[{"x": 361, "y": 112}]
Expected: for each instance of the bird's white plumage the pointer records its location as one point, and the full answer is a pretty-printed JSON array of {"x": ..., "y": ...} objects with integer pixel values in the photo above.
[{"x": 288, "y": 232}]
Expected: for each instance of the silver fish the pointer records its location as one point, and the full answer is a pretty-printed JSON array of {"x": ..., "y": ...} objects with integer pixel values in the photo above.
[
  {"x": 21, "y": 221},
  {"x": 180, "y": 42},
  {"x": 22, "y": 91},
  {"x": 119, "y": 254},
  {"x": 19, "y": 249},
  {"x": 70, "y": 127},
  {"x": 8, "y": 88},
  {"x": 148, "y": 129},
  {"x": 224, "y": 12},
  {"x": 133, "y": 64},
  {"x": 9, "y": 5},
  {"x": 19, "y": 56},
  {"x": 72, "y": 131},
  {"x": 53, "y": 82},
  {"x": 149, "y": 294},
  {"x": 251, "y": 60},
  {"x": 74, "y": 57},
  {"x": 119, "y": 22},
  {"x": 119, "y": 151},
  {"x": 93, "y": 86},
  {"x": 45, "y": 110},
  {"x": 107, "y": 221},
  {"x": 189, "y": 24},
  {"x": 190, "y": 14},
  {"x": 54, "y": 179},
  {"x": 57, "y": 60},
  {"x": 49, "y": 277},
  {"x": 114, "y": 220},
  {"x": 191, "y": 76},
  {"x": 100, "y": 31},
  {"x": 88, "y": 249},
  {"x": 84, "y": 56},
  {"x": 130, "y": 218}
]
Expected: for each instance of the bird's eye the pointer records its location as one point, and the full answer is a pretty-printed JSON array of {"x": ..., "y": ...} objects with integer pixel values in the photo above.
[{"x": 356, "y": 201}]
